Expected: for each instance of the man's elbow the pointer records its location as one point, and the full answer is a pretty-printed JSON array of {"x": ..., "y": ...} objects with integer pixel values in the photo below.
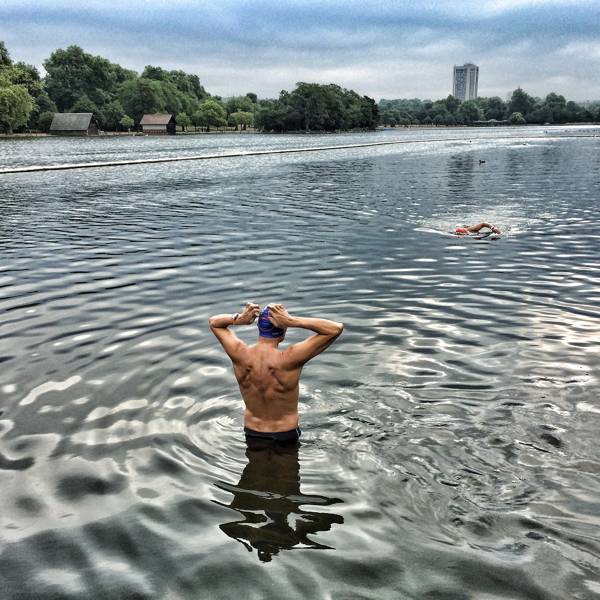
[
  {"x": 211, "y": 322},
  {"x": 339, "y": 327}
]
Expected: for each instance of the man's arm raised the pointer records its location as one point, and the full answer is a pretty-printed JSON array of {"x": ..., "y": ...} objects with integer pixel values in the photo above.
[
  {"x": 326, "y": 332},
  {"x": 219, "y": 325},
  {"x": 476, "y": 228}
]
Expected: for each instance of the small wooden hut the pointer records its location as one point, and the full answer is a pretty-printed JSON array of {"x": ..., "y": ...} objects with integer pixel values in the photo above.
[
  {"x": 158, "y": 124},
  {"x": 74, "y": 124}
]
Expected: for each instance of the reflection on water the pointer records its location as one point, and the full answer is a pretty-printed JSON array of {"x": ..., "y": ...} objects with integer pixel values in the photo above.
[
  {"x": 269, "y": 498},
  {"x": 460, "y": 174}
]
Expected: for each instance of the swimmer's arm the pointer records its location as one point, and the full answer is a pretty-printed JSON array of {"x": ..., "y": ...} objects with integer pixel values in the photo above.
[
  {"x": 323, "y": 327},
  {"x": 476, "y": 228},
  {"x": 222, "y": 321},
  {"x": 326, "y": 332},
  {"x": 219, "y": 325}
]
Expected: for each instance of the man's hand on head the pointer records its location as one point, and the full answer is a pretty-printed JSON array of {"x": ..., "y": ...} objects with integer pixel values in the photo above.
[
  {"x": 248, "y": 315},
  {"x": 279, "y": 316}
]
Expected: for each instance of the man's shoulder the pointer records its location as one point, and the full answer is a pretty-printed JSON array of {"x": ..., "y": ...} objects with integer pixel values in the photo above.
[{"x": 287, "y": 356}]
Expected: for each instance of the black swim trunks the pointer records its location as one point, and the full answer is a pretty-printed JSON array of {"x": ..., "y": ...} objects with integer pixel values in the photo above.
[{"x": 278, "y": 436}]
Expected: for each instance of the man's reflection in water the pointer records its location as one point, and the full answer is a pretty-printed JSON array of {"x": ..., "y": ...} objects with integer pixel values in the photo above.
[{"x": 269, "y": 498}]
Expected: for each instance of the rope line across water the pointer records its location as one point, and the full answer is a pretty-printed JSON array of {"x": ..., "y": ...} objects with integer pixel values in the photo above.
[{"x": 143, "y": 161}]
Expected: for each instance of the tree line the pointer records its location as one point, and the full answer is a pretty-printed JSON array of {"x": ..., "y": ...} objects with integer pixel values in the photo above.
[
  {"x": 519, "y": 110},
  {"x": 77, "y": 81}
]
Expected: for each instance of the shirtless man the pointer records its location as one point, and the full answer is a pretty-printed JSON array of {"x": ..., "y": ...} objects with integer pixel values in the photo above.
[
  {"x": 268, "y": 377},
  {"x": 466, "y": 229}
]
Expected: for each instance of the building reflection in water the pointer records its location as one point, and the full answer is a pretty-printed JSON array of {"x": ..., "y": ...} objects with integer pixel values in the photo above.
[
  {"x": 269, "y": 499},
  {"x": 461, "y": 169}
]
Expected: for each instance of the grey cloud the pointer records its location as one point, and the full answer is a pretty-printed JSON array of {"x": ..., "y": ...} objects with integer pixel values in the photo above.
[{"x": 385, "y": 49}]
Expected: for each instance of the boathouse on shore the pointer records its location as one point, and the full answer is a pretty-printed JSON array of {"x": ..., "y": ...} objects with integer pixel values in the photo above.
[
  {"x": 158, "y": 124},
  {"x": 74, "y": 124}
]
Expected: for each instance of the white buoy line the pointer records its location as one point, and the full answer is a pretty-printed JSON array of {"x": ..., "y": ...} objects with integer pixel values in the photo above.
[{"x": 146, "y": 161}]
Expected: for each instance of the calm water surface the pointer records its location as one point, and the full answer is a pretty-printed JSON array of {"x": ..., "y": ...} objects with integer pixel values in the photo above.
[{"x": 450, "y": 445}]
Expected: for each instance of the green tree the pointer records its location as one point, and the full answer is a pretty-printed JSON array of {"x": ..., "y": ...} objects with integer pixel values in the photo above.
[
  {"x": 189, "y": 84},
  {"x": 126, "y": 122},
  {"x": 73, "y": 73},
  {"x": 185, "y": 83},
  {"x": 174, "y": 102},
  {"x": 45, "y": 104},
  {"x": 271, "y": 115},
  {"x": 452, "y": 103},
  {"x": 516, "y": 118},
  {"x": 470, "y": 112},
  {"x": 26, "y": 75},
  {"x": 389, "y": 117},
  {"x": 438, "y": 120},
  {"x": 317, "y": 107},
  {"x": 407, "y": 105},
  {"x": 197, "y": 119},
  {"x": 310, "y": 100},
  {"x": 493, "y": 108},
  {"x": 370, "y": 112},
  {"x": 210, "y": 114},
  {"x": 253, "y": 97},
  {"x": 557, "y": 106},
  {"x": 45, "y": 120},
  {"x": 85, "y": 105},
  {"x": 156, "y": 73},
  {"x": 183, "y": 120},
  {"x": 239, "y": 104},
  {"x": 42, "y": 105},
  {"x": 140, "y": 96},
  {"x": 113, "y": 113},
  {"x": 449, "y": 119},
  {"x": 439, "y": 108},
  {"x": 540, "y": 114},
  {"x": 576, "y": 112},
  {"x": 15, "y": 105},
  {"x": 241, "y": 119},
  {"x": 521, "y": 102},
  {"x": 5, "y": 60}
]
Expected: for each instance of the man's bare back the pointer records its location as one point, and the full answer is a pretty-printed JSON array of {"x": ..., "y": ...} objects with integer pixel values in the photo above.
[{"x": 269, "y": 378}]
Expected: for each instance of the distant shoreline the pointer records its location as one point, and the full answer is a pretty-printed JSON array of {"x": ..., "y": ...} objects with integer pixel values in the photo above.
[{"x": 270, "y": 133}]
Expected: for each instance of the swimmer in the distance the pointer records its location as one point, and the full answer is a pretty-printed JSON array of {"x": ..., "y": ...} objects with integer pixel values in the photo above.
[
  {"x": 467, "y": 229},
  {"x": 269, "y": 378}
]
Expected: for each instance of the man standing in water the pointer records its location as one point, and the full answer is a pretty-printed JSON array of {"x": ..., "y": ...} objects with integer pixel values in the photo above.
[{"x": 269, "y": 378}]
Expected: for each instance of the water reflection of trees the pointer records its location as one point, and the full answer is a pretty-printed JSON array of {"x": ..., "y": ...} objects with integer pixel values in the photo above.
[
  {"x": 269, "y": 498},
  {"x": 460, "y": 173}
]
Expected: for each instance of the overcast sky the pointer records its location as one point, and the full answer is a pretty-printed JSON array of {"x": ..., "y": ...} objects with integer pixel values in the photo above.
[{"x": 383, "y": 49}]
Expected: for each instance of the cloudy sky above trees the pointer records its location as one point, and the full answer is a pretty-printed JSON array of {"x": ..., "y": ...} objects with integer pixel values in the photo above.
[{"x": 385, "y": 49}]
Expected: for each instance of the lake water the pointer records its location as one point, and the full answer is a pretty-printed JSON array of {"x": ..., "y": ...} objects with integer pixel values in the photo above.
[{"x": 450, "y": 445}]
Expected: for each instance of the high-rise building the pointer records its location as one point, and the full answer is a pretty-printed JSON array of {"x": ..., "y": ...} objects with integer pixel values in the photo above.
[{"x": 466, "y": 78}]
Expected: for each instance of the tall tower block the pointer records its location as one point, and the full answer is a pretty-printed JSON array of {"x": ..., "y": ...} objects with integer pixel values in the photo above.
[{"x": 466, "y": 78}]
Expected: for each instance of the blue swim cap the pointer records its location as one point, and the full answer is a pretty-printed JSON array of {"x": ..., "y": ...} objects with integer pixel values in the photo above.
[{"x": 266, "y": 328}]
